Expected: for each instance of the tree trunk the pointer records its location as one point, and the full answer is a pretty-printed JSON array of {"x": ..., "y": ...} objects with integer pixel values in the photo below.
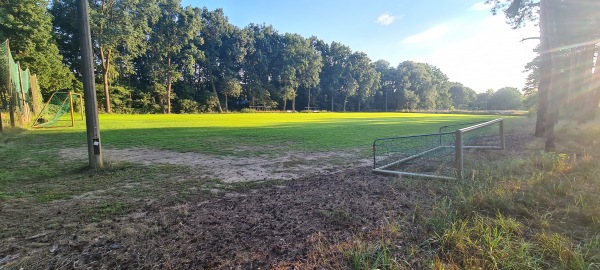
[
  {"x": 386, "y": 101},
  {"x": 549, "y": 35},
  {"x": 581, "y": 80},
  {"x": 308, "y": 104},
  {"x": 105, "y": 61},
  {"x": 345, "y": 101},
  {"x": 169, "y": 83},
  {"x": 331, "y": 103},
  {"x": 284, "y": 104},
  {"x": 591, "y": 106},
  {"x": 226, "y": 104},
  {"x": 294, "y": 103},
  {"x": 214, "y": 89},
  {"x": 545, "y": 77}
]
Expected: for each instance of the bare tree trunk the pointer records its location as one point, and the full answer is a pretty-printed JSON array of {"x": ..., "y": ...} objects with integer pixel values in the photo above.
[
  {"x": 386, "y": 101},
  {"x": 214, "y": 89},
  {"x": 591, "y": 106},
  {"x": 581, "y": 78},
  {"x": 105, "y": 61},
  {"x": 284, "y": 104},
  {"x": 545, "y": 77},
  {"x": 226, "y": 104},
  {"x": 549, "y": 35},
  {"x": 169, "y": 83},
  {"x": 345, "y": 101},
  {"x": 332, "y": 103},
  {"x": 308, "y": 104}
]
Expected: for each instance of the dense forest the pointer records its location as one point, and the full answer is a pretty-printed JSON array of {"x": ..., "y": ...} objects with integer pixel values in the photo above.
[{"x": 155, "y": 56}]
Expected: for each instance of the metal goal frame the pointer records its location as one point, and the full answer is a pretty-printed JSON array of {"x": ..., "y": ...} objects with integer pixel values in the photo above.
[{"x": 458, "y": 144}]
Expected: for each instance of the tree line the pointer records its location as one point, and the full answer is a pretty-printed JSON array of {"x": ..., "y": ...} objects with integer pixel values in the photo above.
[{"x": 155, "y": 56}]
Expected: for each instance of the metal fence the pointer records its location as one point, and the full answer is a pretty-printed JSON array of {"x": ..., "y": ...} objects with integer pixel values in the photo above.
[{"x": 438, "y": 155}]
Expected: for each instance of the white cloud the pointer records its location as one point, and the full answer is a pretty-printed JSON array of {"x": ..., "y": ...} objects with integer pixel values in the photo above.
[
  {"x": 481, "y": 6},
  {"x": 385, "y": 19},
  {"x": 492, "y": 57},
  {"x": 427, "y": 35}
]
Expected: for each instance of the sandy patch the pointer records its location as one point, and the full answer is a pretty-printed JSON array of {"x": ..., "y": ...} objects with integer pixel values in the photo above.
[{"x": 289, "y": 165}]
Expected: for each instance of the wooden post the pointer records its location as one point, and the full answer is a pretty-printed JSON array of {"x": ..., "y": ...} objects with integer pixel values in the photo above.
[
  {"x": 11, "y": 106},
  {"x": 24, "y": 114},
  {"x": 81, "y": 105},
  {"x": 458, "y": 156},
  {"x": 91, "y": 109},
  {"x": 71, "y": 109}
]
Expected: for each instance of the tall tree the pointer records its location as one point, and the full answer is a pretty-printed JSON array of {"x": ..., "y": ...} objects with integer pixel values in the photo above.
[
  {"x": 365, "y": 75},
  {"x": 120, "y": 28},
  {"x": 225, "y": 48},
  {"x": 261, "y": 65},
  {"x": 169, "y": 41},
  {"x": 568, "y": 34},
  {"x": 28, "y": 26},
  {"x": 507, "y": 98},
  {"x": 336, "y": 79},
  {"x": 387, "y": 80},
  {"x": 461, "y": 95},
  {"x": 301, "y": 66}
]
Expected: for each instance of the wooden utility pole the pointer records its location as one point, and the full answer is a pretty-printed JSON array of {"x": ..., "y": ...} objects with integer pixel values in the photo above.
[{"x": 91, "y": 110}]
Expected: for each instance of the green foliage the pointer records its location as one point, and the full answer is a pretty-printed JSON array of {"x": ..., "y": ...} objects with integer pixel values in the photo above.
[
  {"x": 120, "y": 98},
  {"x": 28, "y": 26},
  {"x": 164, "y": 52},
  {"x": 462, "y": 96},
  {"x": 187, "y": 106},
  {"x": 508, "y": 98}
]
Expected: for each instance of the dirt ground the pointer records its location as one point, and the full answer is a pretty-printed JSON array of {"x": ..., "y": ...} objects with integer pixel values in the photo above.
[
  {"x": 286, "y": 166},
  {"x": 272, "y": 227},
  {"x": 301, "y": 223}
]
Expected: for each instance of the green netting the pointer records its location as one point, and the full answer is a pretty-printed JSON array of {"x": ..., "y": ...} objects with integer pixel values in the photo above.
[
  {"x": 57, "y": 110},
  {"x": 20, "y": 95},
  {"x": 37, "y": 102},
  {"x": 4, "y": 78}
]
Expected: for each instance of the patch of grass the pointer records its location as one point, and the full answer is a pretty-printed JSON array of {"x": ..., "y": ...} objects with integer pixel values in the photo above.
[
  {"x": 107, "y": 210},
  {"x": 51, "y": 195},
  {"x": 365, "y": 256},
  {"x": 539, "y": 213}
]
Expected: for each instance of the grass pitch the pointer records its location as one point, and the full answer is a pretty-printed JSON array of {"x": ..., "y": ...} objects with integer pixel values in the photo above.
[{"x": 258, "y": 133}]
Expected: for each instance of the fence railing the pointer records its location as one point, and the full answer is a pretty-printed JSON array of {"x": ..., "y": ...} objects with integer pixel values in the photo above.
[{"x": 436, "y": 149}]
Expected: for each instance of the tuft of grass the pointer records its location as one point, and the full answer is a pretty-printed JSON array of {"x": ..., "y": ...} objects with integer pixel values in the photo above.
[
  {"x": 337, "y": 216},
  {"x": 107, "y": 210},
  {"x": 365, "y": 256},
  {"x": 541, "y": 214}
]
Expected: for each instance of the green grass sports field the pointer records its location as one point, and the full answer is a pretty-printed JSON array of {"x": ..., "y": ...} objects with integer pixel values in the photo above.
[{"x": 226, "y": 133}]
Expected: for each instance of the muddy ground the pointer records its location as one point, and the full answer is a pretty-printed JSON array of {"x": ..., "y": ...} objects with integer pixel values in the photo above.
[
  {"x": 302, "y": 223},
  {"x": 281, "y": 226}
]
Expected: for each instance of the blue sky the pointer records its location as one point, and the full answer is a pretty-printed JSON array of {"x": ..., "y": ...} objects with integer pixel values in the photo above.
[{"x": 461, "y": 37}]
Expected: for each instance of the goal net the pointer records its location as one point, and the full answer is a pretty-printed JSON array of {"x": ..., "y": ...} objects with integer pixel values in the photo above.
[
  {"x": 61, "y": 110},
  {"x": 442, "y": 155}
]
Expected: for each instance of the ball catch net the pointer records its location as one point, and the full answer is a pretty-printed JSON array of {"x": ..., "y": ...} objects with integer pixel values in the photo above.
[{"x": 61, "y": 110}]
